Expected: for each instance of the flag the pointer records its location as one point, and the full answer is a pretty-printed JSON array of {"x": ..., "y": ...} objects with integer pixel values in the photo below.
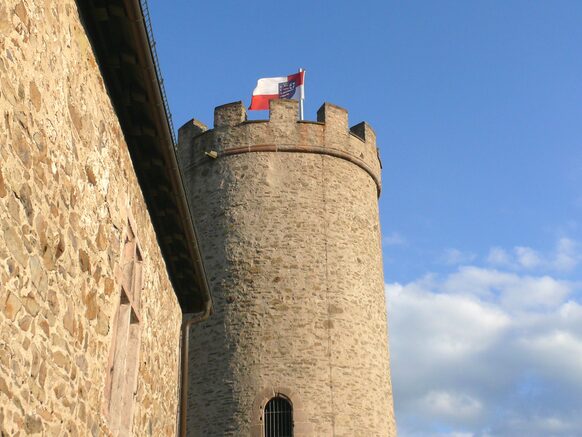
[{"x": 270, "y": 88}]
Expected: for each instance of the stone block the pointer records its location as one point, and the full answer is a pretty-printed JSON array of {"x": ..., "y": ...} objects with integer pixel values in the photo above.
[
  {"x": 229, "y": 114},
  {"x": 12, "y": 306}
]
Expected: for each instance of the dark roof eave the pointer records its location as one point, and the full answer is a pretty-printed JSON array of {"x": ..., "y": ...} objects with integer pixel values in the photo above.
[{"x": 167, "y": 196}]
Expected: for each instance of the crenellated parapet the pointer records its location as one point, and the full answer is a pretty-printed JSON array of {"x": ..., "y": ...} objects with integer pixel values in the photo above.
[{"x": 233, "y": 134}]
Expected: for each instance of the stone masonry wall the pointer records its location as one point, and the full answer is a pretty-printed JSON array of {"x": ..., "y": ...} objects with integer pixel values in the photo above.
[
  {"x": 67, "y": 187},
  {"x": 288, "y": 221}
]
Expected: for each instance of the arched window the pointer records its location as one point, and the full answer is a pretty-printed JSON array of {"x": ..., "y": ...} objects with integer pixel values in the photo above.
[{"x": 278, "y": 418}]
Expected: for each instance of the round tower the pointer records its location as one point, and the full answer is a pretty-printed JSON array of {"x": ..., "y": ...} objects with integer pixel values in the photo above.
[{"x": 287, "y": 216}]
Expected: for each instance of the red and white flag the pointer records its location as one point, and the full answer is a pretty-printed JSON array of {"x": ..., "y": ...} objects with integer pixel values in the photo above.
[{"x": 270, "y": 88}]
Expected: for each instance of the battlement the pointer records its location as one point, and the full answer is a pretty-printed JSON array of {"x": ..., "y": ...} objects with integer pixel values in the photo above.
[{"x": 233, "y": 134}]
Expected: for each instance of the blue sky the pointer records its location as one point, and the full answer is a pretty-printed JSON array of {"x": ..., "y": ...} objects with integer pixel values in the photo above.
[{"x": 478, "y": 111}]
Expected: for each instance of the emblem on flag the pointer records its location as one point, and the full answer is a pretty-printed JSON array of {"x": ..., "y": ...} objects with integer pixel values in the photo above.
[
  {"x": 287, "y": 89},
  {"x": 270, "y": 88}
]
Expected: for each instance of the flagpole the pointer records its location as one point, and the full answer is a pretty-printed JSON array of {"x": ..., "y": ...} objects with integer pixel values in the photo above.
[{"x": 302, "y": 97}]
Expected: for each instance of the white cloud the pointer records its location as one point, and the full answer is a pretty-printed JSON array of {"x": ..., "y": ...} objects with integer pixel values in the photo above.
[
  {"x": 557, "y": 352},
  {"x": 498, "y": 256},
  {"x": 567, "y": 256},
  {"x": 527, "y": 257},
  {"x": 564, "y": 258},
  {"x": 453, "y": 256},
  {"x": 402, "y": 431},
  {"x": 446, "y": 325},
  {"x": 509, "y": 288},
  {"x": 540, "y": 426},
  {"x": 483, "y": 352},
  {"x": 571, "y": 314},
  {"x": 447, "y": 404}
]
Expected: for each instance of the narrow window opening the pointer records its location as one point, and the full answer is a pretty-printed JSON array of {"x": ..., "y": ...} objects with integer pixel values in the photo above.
[{"x": 278, "y": 418}]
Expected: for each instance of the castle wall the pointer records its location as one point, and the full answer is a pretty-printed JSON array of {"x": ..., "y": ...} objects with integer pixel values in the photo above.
[
  {"x": 287, "y": 217},
  {"x": 67, "y": 188}
]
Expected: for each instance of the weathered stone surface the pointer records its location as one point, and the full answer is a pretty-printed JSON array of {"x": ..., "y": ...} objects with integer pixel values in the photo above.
[
  {"x": 38, "y": 275},
  {"x": 108, "y": 287},
  {"x": 62, "y": 152},
  {"x": 32, "y": 424},
  {"x": 91, "y": 305},
  {"x": 41, "y": 226},
  {"x": 2, "y": 184},
  {"x": 22, "y": 148},
  {"x": 90, "y": 175},
  {"x": 35, "y": 95},
  {"x": 84, "y": 261},
  {"x": 60, "y": 359},
  {"x": 44, "y": 325},
  {"x": 16, "y": 246},
  {"x": 294, "y": 260},
  {"x": 4, "y": 389},
  {"x": 25, "y": 323},
  {"x": 5, "y": 23},
  {"x": 69, "y": 320},
  {"x": 31, "y": 305},
  {"x": 20, "y": 11},
  {"x": 53, "y": 301},
  {"x": 12, "y": 306},
  {"x": 102, "y": 327},
  {"x": 101, "y": 239}
]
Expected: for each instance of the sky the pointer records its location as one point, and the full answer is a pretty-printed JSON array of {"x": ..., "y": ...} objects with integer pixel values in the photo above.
[{"x": 477, "y": 106}]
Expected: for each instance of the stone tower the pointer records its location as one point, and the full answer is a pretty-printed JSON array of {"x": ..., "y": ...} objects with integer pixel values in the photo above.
[{"x": 287, "y": 216}]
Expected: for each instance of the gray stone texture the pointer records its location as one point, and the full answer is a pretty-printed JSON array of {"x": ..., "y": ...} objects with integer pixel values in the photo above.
[{"x": 287, "y": 215}]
